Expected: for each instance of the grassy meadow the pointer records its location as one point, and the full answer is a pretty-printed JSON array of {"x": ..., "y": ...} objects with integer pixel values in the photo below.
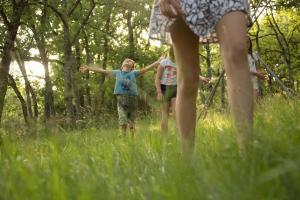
[{"x": 98, "y": 164}]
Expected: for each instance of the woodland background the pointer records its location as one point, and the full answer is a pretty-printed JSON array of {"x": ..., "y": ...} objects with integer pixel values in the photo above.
[
  {"x": 62, "y": 35},
  {"x": 59, "y": 137}
]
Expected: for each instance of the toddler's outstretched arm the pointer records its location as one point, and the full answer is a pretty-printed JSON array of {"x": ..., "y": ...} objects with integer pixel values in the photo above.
[
  {"x": 149, "y": 67},
  {"x": 84, "y": 68}
]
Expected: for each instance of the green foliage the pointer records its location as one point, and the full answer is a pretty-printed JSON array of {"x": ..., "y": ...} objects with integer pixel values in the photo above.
[
  {"x": 12, "y": 115},
  {"x": 270, "y": 49},
  {"x": 282, "y": 4},
  {"x": 98, "y": 31},
  {"x": 98, "y": 164}
]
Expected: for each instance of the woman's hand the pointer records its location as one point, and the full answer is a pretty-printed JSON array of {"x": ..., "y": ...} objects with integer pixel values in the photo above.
[{"x": 170, "y": 8}]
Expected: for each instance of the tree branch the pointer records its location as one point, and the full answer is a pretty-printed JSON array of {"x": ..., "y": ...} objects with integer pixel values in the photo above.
[
  {"x": 37, "y": 59},
  {"x": 59, "y": 14},
  {"x": 34, "y": 76},
  {"x": 74, "y": 7},
  {"x": 84, "y": 21},
  {"x": 262, "y": 10},
  {"x": 13, "y": 85},
  {"x": 292, "y": 33},
  {"x": 280, "y": 52},
  {"x": 6, "y": 22}
]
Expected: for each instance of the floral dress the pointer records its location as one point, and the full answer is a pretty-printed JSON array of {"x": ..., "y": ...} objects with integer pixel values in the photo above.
[{"x": 200, "y": 15}]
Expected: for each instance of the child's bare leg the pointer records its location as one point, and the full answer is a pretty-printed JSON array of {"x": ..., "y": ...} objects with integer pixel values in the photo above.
[
  {"x": 164, "y": 117},
  {"x": 132, "y": 129},
  {"x": 131, "y": 122},
  {"x": 185, "y": 45},
  {"x": 123, "y": 129},
  {"x": 231, "y": 31}
]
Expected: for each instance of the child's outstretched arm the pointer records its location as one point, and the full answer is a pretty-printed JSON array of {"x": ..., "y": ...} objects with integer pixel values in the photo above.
[
  {"x": 149, "y": 67},
  {"x": 84, "y": 68}
]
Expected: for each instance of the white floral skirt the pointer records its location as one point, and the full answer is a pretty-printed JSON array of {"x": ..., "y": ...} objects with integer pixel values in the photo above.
[{"x": 200, "y": 15}]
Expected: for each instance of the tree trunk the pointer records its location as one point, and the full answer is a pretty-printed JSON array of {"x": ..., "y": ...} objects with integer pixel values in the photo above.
[
  {"x": 208, "y": 63},
  {"x": 49, "y": 108},
  {"x": 105, "y": 55},
  {"x": 77, "y": 91},
  {"x": 30, "y": 93},
  {"x": 69, "y": 60},
  {"x": 68, "y": 79},
  {"x": 101, "y": 79},
  {"x": 87, "y": 74},
  {"x": 208, "y": 60},
  {"x": 209, "y": 99},
  {"x": 48, "y": 97},
  {"x": 27, "y": 84},
  {"x": 259, "y": 53},
  {"x": 223, "y": 92},
  {"x": 130, "y": 34},
  {"x": 13, "y": 85},
  {"x": 201, "y": 93},
  {"x": 9, "y": 40}
]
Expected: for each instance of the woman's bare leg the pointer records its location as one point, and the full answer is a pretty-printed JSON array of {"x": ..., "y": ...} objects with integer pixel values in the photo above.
[
  {"x": 231, "y": 31},
  {"x": 185, "y": 45},
  {"x": 164, "y": 117}
]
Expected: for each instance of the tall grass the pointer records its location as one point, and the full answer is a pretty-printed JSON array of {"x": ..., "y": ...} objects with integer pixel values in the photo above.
[{"x": 98, "y": 164}]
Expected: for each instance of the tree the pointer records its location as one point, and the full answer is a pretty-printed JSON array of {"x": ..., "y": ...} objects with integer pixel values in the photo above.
[
  {"x": 277, "y": 39},
  {"x": 11, "y": 19},
  {"x": 39, "y": 34},
  {"x": 65, "y": 12}
]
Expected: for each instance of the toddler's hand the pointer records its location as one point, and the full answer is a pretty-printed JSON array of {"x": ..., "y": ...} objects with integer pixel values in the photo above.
[{"x": 83, "y": 68}]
